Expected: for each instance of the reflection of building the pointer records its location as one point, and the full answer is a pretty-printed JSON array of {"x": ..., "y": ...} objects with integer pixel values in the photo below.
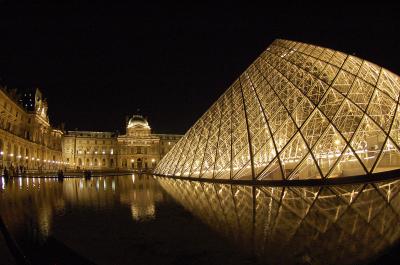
[
  {"x": 298, "y": 112},
  {"x": 26, "y": 137},
  {"x": 35, "y": 201},
  {"x": 135, "y": 150}
]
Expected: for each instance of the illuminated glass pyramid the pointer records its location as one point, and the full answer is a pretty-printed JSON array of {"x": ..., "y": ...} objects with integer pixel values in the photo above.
[{"x": 298, "y": 112}]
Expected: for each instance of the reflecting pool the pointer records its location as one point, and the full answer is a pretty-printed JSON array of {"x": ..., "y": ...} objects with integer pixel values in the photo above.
[
  {"x": 147, "y": 220},
  {"x": 107, "y": 220}
]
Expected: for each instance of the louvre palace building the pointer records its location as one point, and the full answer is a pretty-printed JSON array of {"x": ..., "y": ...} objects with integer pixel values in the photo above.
[
  {"x": 27, "y": 140},
  {"x": 29, "y": 143},
  {"x": 137, "y": 149}
]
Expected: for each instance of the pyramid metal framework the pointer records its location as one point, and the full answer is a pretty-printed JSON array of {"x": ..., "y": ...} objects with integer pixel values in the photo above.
[{"x": 298, "y": 112}]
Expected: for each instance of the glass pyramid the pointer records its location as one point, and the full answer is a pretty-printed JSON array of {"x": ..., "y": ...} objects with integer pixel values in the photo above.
[{"x": 299, "y": 111}]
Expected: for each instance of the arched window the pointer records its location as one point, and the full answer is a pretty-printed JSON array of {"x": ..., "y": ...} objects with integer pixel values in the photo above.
[
  {"x": 95, "y": 162},
  {"x": 139, "y": 163}
]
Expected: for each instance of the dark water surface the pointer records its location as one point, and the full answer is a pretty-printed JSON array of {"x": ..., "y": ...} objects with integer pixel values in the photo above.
[
  {"x": 108, "y": 220},
  {"x": 147, "y": 220}
]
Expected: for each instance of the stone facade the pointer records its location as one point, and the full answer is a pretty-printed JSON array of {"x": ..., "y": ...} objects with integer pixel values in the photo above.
[
  {"x": 27, "y": 140},
  {"x": 138, "y": 149}
]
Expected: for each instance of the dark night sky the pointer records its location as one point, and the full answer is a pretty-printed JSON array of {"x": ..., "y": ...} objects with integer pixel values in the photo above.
[{"x": 97, "y": 63}]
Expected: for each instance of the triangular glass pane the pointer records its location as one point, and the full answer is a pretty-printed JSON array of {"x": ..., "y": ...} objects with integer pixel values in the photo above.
[
  {"x": 284, "y": 134},
  {"x": 382, "y": 109},
  {"x": 223, "y": 153},
  {"x": 329, "y": 74},
  {"x": 395, "y": 129},
  {"x": 343, "y": 82},
  {"x": 326, "y": 55},
  {"x": 338, "y": 59},
  {"x": 243, "y": 173},
  {"x": 347, "y": 119},
  {"x": 293, "y": 98},
  {"x": 352, "y": 64},
  {"x": 272, "y": 172},
  {"x": 189, "y": 156},
  {"x": 210, "y": 151},
  {"x": 314, "y": 51},
  {"x": 389, "y": 83},
  {"x": 172, "y": 157},
  {"x": 318, "y": 67},
  {"x": 389, "y": 159},
  {"x": 223, "y": 156},
  {"x": 328, "y": 149},
  {"x": 223, "y": 167},
  {"x": 293, "y": 154},
  {"x": 187, "y": 151},
  {"x": 302, "y": 112},
  {"x": 279, "y": 118},
  {"x": 331, "y": 103},
  {"x": 369, "y": 72},
  {"x": 308, "y": 169},
  {"x": 263, "y": 157},
  {"x": 317, "y": 91},
  {"x": 347, "y": 166},
  {"x": 241, "y": 164},
  {"x": 360, "y": 93},
  {"x": 314, "y": 127},
  {"x": 197, "y": 159},
  {"x": 368, "y": 142}
]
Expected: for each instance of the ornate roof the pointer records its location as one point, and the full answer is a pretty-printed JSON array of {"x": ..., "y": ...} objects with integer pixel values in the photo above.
[
  {"x": 138, "y": 121},
  {"x": 298, "y": 112}
]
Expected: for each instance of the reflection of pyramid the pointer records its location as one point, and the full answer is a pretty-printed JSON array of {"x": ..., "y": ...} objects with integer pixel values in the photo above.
[
  {"x": 298, "y": 112},
  {"x": 338, "y": 224}
]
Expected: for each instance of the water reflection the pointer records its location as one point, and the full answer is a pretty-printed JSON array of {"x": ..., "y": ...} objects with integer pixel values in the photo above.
[
  {"x": 112, "y": 220},
  {"x": 28, "y": 205},
  {"x": 348, "y": 224}
]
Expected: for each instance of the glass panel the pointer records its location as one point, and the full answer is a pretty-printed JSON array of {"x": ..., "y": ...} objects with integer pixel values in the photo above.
[
  {"x": 368, "y": 142},
  {"x": 347, "y": 119}
]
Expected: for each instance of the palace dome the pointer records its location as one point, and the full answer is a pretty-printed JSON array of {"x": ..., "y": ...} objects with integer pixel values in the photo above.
[
  {"x": 138, "y": 121},
  {"x": 299, "y": 111}
]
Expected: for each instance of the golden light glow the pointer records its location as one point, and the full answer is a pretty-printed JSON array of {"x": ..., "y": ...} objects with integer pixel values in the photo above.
[
  {"x": 278, "y": 223},
  {"x": 298, "y": 112}
]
